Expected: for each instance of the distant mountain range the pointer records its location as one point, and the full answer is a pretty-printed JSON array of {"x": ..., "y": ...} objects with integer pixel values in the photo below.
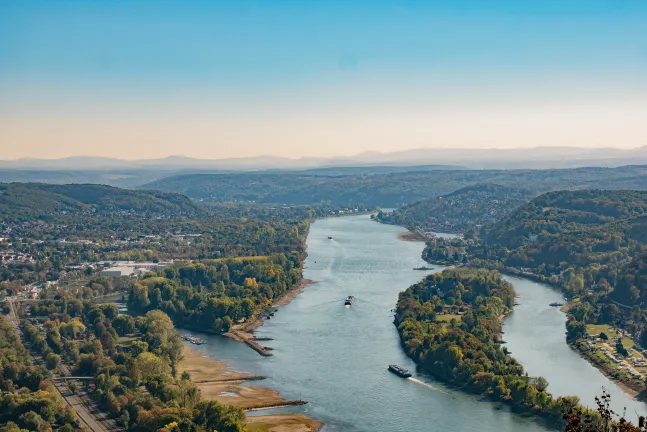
[{"x": 538, "y": 157}]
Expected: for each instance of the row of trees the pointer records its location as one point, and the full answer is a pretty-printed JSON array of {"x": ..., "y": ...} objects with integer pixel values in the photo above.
[
  {"x": 28, "y": 399},
  {"x": 134, "y": 364},
  {"x": 212, "y": 295}
]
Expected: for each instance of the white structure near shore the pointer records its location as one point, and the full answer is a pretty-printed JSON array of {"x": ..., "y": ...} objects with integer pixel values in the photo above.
[{"x": 130, "y": 268}]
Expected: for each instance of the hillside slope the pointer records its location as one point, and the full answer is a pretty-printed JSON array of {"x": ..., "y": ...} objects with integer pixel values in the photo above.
[
  {"x": 580, "y": 238},
  {"x": 24, "y": 201},
  {"x": 460, "y": 210},
  {"x": 390, "y": 189}
]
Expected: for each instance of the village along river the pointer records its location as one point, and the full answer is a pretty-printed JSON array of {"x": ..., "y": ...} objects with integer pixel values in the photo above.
[{"x": 335, "y": 357}]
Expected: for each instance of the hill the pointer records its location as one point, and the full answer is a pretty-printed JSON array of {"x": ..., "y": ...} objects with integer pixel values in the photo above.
[
  {"x": 461, "y": 210},
  {"x": 576, "y": 238},
  {"x": 389, "y": 189},
  {"x": 28, "y": 201},
  {"x": 631, "y": 287}
]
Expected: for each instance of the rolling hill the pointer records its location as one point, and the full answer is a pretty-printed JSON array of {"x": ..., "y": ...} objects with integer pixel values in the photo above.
[
  {"x": 389, "y": 189},
  {"x": 27, "y": 201},
  {"x": 461, "y": 210}
]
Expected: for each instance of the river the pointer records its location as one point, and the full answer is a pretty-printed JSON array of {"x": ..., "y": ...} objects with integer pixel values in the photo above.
[
  {"x": 535, "y": 333},
  {"x": 336, "y": 357}
]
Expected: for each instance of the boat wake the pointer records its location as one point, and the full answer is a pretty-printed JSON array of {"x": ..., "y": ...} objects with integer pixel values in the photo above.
[{"x": 416, "y": 380}]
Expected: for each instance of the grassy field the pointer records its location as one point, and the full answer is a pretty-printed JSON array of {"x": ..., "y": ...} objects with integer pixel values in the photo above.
[
  {"x": 627, "y": 343},
  {"x": 596, "y": 329},
  {"x": 447, "y": 317}
]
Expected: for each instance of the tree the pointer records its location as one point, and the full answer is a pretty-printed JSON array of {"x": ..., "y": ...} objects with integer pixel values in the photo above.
[
  {"x": 215, "y": 416},
  {"x": 620, "y": 348},
  {"x": 604, "y": 336},
  {"x": 52, "y": 360},
  {"x": 124, "y": 324},
  {"x": 147, "y": 365},
  {"x": 541, "y": 383},
  {"x": 33, "y": 421}
]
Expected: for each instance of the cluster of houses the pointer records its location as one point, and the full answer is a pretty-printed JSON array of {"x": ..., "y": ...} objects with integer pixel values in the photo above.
[
  {"x": 11, "y": 257},
  {"x": 634, "y": 361}
]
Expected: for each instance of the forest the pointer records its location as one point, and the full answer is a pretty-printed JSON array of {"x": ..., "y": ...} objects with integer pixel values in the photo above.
[
  {"x": 574, "y": 239},
  {"x": 134, "y": 364},
  {"x": 392, "y": 189},
  {"x": 465, "y": 209},
  {"x": 21, "y": 202},
  {"x": 450, "y": 324},
  {"x": 212, "y": 295}
]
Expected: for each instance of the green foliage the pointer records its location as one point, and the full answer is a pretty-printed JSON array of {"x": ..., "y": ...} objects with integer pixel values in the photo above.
[
  {"x": 22, "y": 201},
  {"x": 213, "y": 294},
  {"x": 579, "y": 240},
  {"x": 468, "y": 354},
  {"x": 388, "y": 189},
  {"x": 461, "y": 210}
]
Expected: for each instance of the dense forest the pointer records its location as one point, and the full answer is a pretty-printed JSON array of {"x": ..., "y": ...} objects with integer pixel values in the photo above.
[
  {"x": 28, "y": 399},
  {"x": 133, "y": 362},
  {"x": 450, "y": 324},
  {"x": 459, "y": 211},
  {"x": 28, "y": 201},
  {"x": 388, "y": 189},
  {"x": 631, "y": 287},
  {"x": 575, "y": 239},
  {"x": 214, "y": 294}
]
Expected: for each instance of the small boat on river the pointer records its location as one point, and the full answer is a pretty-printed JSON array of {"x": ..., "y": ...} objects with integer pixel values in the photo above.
[
  {"x": 556, "y": 304},
  {"x": 194, "y": 340},
  {"x": 422, "y": 268},
  {"x": 349, "y": 300},
  {"x": 399, "y": 371},
  {"x": 329, "y": 238}
]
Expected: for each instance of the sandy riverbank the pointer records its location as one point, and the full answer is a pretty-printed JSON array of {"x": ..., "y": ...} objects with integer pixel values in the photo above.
[
  {"x": 217, "y": 381},
  {"x": 410, "y": 236}
]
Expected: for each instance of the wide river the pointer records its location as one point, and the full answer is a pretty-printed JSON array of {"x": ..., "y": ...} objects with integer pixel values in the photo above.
[{"x": 335, "y": 357}]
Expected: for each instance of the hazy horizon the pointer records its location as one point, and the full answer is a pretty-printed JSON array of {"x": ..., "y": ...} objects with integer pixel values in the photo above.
[{"x": 213, "y": 80}]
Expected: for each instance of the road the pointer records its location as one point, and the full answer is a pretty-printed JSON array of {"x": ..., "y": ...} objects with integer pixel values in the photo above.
[{"x": 90, "y": 417}]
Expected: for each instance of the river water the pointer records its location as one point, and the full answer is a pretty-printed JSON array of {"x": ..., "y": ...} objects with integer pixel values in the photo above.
[
  {"x": 535, "y": 333},
  {"x": 335, "y": 357}
]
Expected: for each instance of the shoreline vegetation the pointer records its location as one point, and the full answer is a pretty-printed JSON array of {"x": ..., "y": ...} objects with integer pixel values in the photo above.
[
  {"x": 217, "y": 381},
  {"x": 465, "y": 351},
  {"x": 245, "y": 332},
  {"x": 628, "y": 387}
]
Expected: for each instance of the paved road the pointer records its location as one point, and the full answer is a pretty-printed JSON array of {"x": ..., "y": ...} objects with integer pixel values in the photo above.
[{"x": 90, "y": 418}]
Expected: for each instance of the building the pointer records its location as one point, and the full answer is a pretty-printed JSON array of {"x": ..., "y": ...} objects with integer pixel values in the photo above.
[{"x": 118, "y": 271}]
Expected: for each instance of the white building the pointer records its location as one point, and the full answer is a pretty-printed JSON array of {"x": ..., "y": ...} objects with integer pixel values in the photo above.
[{"x": 118, "y": 271}]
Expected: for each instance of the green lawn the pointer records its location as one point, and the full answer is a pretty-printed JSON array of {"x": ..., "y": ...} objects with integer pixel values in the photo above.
[
  {"x": 596, "y": 329},
  {"x": 628, "y": 343},
  {"x": 447, "y": 317}
]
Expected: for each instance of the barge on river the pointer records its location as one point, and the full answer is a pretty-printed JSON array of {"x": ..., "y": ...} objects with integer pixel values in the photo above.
[{"x": 399, "y": 371}]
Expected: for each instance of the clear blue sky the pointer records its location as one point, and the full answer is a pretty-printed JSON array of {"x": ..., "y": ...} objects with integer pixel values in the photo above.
[{"x": 104, "y": 63}]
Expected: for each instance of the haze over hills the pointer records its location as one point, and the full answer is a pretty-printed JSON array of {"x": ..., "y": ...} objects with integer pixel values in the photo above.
[{"x": 537, "y": 157}]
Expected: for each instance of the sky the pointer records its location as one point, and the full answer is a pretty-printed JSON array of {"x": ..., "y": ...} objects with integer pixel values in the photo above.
[{"x": 235, "y": 78}]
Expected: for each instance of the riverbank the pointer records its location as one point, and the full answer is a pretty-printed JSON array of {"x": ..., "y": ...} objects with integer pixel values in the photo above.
[
  {"x": 245, "y": 332},
  {"x": 630, "y": 387},
  {"x": 634, "y": 389},
  {"x": 217, "y": 381},
  {"x": 411, "y": 236}
]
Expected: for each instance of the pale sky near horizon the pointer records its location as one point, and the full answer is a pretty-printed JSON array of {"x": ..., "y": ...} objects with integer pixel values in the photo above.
[{"x": 234, "y": 78}]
